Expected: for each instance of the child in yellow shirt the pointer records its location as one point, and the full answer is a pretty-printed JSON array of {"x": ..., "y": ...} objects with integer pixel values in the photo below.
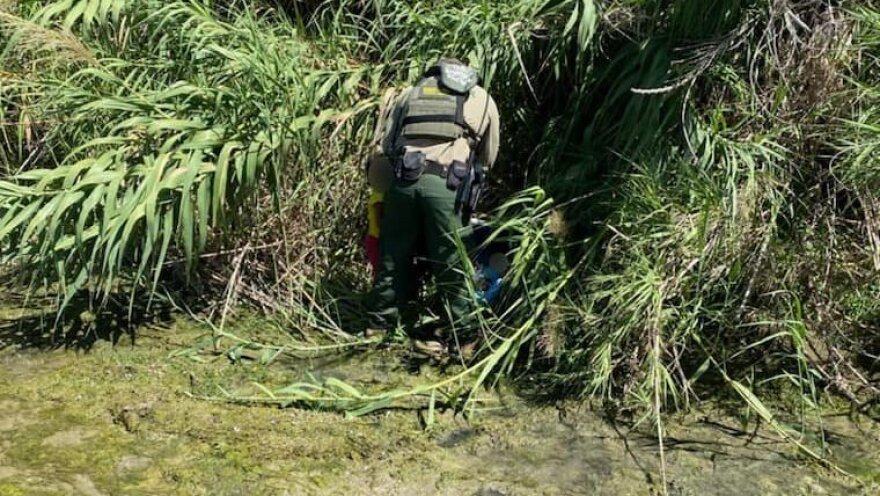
[{"x": 380, "y": 176}]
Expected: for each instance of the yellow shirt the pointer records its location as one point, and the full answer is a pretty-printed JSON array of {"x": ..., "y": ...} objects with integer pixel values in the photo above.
[{"x": 374, "y": 213}]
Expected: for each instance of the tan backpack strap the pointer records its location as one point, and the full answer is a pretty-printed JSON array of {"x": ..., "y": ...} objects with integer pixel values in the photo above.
[{"x": 389, "y": 98}]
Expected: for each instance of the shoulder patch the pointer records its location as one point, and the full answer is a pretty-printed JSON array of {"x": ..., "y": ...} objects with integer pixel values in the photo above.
[{"x": 432, "y": 91}]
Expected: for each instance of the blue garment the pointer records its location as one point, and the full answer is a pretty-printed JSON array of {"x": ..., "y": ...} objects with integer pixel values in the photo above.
[{"x": 491, "y": 282}]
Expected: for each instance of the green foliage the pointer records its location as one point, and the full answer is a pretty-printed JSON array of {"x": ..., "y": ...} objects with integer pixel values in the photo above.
[
  {"x": 711, "y": 167},
  {"x": 154, "y": 150}
]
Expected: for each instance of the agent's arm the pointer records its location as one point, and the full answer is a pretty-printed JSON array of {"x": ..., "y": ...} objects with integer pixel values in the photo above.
[{"x": 491, "y": 140}]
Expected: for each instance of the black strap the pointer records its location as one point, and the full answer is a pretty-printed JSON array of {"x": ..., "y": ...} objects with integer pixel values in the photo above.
[
  {"x": 420, "y": 119},
  {"x": 467, "y": 204}
]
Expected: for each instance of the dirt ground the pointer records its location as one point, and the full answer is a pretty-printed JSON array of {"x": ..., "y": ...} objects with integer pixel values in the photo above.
[{"x": 116, "y": 420}]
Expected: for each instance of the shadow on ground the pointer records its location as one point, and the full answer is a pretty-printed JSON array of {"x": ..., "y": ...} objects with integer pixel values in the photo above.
[{"x": 33, "y": 322}]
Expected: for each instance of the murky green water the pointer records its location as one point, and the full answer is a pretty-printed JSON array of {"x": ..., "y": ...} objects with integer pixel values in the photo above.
[{"x": 115, "y": 420}]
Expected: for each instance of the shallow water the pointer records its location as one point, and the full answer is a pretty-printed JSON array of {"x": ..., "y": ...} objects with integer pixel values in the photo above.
[{"x": 115, "y": 420}]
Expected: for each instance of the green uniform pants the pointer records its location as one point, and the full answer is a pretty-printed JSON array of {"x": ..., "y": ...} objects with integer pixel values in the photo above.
[{"x": 420, "y": 214}]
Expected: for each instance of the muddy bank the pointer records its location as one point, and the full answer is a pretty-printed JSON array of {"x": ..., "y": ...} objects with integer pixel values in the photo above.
[{"x": 115, "y": 420}]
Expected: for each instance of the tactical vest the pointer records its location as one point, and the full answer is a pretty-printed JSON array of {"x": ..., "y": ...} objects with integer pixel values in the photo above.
[{"x": 435, "y": 113}]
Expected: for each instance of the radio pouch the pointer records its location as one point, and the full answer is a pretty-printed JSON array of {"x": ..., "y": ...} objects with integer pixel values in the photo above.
[
  {"x": 412, "y": 165},
  {"x": 457, "y": 175}
]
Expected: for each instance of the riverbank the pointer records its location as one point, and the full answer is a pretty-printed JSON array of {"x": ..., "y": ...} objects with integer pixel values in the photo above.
[{"x": 117, "y": 420}]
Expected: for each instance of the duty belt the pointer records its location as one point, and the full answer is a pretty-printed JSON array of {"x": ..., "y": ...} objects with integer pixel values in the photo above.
[{"x": 436, "y": 168}]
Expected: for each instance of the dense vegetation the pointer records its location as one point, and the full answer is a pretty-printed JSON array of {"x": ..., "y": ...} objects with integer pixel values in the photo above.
[{"x": 689, "y": 183}]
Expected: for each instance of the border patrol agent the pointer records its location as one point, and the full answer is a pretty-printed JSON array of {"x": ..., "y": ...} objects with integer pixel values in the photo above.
[{"x": 440, "y": 137}]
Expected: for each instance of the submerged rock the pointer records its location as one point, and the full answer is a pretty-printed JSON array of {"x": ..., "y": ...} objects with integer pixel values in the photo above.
[
  {"x": 132, "y": 463},
  {"x": 69, "y": 438}
]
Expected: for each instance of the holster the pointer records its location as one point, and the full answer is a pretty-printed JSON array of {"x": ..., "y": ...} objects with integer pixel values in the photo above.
[{"x": 476, "y": 192}]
